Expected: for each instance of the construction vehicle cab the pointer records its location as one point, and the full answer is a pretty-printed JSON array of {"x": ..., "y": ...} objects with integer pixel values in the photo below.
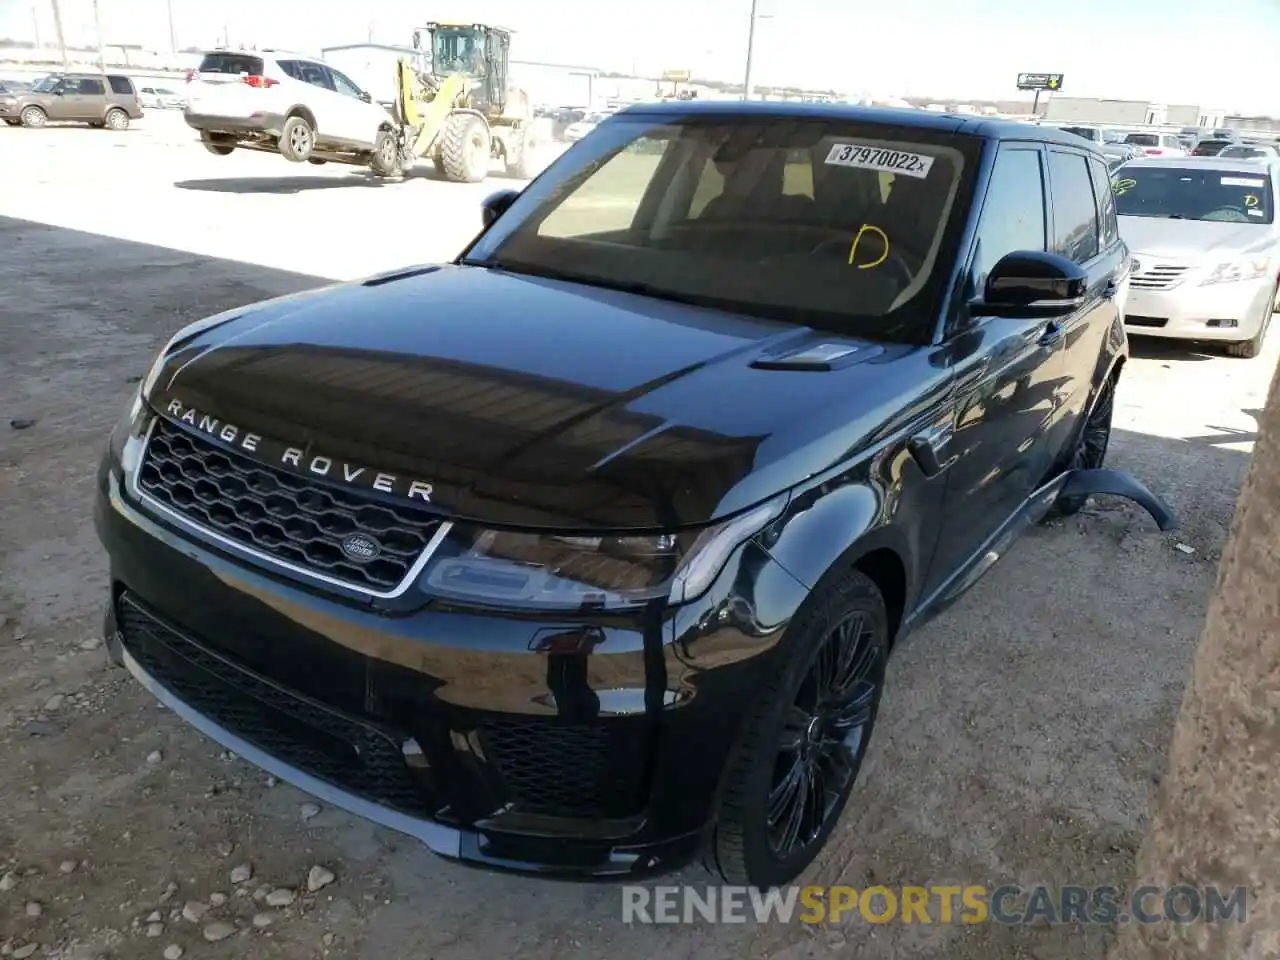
[{"x": 462, "y": 111}]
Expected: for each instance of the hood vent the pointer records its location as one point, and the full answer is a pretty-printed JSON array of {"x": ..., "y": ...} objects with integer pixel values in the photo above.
[
  {"x": 382, "y": 278},
  {"x": 818, "y": 357}
]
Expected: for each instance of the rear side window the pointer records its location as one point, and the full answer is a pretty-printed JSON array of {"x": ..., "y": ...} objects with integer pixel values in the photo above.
[
  {"x": 1109, "y": 226},
  {"x": 1075, "y": 213},
  {"x": 232, "y": 64},
  {"x": 121, "y": 85},
  {"x": 89, "y": 88},
  {"x": 308, "y": 72},
  {"x": 1013, "y": 212}
]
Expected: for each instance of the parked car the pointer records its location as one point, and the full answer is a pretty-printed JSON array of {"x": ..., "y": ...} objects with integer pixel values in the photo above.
[
  {"x": 285, "y": 103},
  {"x": 579, "y": 129},
  {"x": 1206, "y": 248},
  {"x": 1247, "y": 151},
  {"x": 74, "y": 98},
  {"x": 1210, "y": 148},
  {"x": 1116, "y": 153},
  {"x": 584, "y": 554},
  {"x": 161, "y": 98},
  {"x": 1157, "y": 144},
  {"x": 1225, "y": 133}
]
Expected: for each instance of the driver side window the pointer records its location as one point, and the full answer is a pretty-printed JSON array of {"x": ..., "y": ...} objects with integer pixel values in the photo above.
[
  {"x": 345, "y": 86},
  {"x": 1013, "y": 213}
]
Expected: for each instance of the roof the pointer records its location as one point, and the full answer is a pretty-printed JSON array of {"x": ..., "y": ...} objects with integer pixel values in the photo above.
[
  {"x": 1226, "y": 164},
  {"x": 974, "y": 126}
]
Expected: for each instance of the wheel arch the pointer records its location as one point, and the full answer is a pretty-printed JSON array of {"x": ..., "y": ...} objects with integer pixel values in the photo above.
[{"x": 303, "y": 111}]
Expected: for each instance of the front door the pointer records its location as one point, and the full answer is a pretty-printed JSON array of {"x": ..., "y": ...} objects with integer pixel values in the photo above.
[{"x": 1008, "y": 372}]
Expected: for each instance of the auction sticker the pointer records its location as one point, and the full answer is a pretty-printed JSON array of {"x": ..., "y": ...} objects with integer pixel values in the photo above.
[
  {"x": 866, "y": 157},
  {"x": 1235, "y": 181}
]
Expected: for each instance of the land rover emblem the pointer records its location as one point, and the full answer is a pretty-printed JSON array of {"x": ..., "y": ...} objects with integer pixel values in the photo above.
[{"x": 360, "y": 549}]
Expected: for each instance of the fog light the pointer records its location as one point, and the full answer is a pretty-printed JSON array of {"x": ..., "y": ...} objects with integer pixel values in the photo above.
[{"x": 1223, "y": 324}]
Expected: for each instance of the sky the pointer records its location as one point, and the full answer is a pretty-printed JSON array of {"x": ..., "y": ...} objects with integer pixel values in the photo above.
[{"x": 1164, "y": 51}]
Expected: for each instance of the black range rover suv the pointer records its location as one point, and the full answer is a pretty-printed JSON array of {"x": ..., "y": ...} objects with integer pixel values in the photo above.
[{"x": 583, "y": 554}]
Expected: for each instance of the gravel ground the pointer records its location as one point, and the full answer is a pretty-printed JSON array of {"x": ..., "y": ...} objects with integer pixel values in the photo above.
[{"x": 1021, "y": 739}]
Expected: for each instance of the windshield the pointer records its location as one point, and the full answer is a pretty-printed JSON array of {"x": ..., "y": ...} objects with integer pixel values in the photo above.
[
  {"x": 820, "y": 222},
  {"x": 1143, "y": 139},
  {"x": 1223, "y": 196},
  {"x": 458, "y": 50}
]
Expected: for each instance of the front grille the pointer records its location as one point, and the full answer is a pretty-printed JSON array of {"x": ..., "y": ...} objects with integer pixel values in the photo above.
[
  {"x": 1136, "y": 321},
  {"x": 1160, "y": 277},
  {"x": 347, "y": 753},
  {"x": 561, "y": 769},
  {"x": 287, "y": 517}
]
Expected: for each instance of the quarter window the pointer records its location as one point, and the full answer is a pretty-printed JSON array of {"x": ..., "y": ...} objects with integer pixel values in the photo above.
[
  {"x": 1075, "y": 212},
  {"x": 1013, "y": 214}
]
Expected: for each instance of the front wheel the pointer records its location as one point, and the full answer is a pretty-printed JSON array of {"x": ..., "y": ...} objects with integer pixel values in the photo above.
[
  {"x": 385, "y": 161},
  {"x": 297, "y": 140},
  {"x": 33, "y": 117},
  {"x": 465, "y": 148},
  {"x": 1248, "y": 349},
  {"x": 12, "y": 122},
  {"x": 805, "y": 736}
]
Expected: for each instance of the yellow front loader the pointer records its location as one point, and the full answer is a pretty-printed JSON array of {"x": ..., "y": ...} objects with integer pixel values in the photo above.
[{"x": 460, "y": 112}]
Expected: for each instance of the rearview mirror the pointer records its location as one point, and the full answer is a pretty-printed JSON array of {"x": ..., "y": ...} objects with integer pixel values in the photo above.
[
  {"x": 495, "y": 205},
  {"x": 1032, "y": 283}
]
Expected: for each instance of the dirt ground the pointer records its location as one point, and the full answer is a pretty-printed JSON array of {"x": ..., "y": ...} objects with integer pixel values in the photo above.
[{"x": 1022, "y": 734}]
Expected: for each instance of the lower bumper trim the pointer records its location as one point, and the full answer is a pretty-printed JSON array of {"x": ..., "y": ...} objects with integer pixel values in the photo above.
[{"x": 443, "y": 840}]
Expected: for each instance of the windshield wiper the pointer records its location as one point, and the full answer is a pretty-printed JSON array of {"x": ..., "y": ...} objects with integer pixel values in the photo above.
[{"x": 608, "y": 283}]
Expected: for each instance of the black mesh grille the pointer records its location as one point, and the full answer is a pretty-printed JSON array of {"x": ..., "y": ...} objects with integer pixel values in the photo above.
[
  {"x": 281, "y": 514},
  {"x": 347, "y": 753},
  {"x": 555, "y": 768}
]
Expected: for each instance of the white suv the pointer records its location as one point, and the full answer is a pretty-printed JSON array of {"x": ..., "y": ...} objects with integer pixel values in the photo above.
[{"x": 297, "y": 106}]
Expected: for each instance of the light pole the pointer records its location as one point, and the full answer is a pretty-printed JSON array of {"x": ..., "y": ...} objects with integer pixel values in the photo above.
[
  {"x": 57, "y": 30},
  {"x": 97, "y": 27},
  {"x": 173, "y": 33},
  {"x": 751, "y": 44}
]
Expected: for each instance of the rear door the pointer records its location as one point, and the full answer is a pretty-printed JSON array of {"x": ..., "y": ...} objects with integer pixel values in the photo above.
[
  {"x": 1008, "y": 369},
  {"x": 233, "y": 85},
  {"x": 334, "y": 118},
  {"x": 1085, "y": 231}
]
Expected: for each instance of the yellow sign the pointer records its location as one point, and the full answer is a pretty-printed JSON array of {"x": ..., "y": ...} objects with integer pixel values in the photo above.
[{"x": 677, "y": 76}]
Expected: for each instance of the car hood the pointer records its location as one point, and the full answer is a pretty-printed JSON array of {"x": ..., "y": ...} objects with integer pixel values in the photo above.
[
  {"x": 536, "y": 402},
  {"x": 1194, "y": 240}
]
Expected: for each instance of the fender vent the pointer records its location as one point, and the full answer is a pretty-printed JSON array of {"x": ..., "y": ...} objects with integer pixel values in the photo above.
[{"x": 818, "y": 356}]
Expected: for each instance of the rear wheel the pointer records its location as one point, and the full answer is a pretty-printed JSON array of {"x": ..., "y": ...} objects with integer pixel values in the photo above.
[
  {"x": 466, "y": 148},
  {"x": 1248, "y": 349},
  {"x": 117, "y": 120},
  {"x": 1091, "y": 449},
  {"x": 805, "y": 736},
  {"x": 33, "y": 116},
  {"x": 297, "y": 139}
]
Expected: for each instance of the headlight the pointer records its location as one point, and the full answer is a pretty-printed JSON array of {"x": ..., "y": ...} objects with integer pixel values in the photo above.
[
  {"x": 186, "y": 333},
  {"x": 1236, "y": 270},
  {"x": 574, "y": 573},
  {"x": 126, "y": 437}
]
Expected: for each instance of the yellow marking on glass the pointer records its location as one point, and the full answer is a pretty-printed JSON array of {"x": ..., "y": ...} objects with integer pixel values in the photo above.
[{"x": 857, "y": 238}]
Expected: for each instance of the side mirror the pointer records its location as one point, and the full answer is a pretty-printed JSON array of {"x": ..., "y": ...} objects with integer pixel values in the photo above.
[
  {"x": 495, "y": 205},
  {"x": 59, "y": 92},
  {"x": 366, "y": 96},
  {"x": 1033, "y": 283}
]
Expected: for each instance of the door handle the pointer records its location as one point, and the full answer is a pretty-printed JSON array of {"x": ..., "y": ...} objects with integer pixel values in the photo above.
[
  {"x": 1050, "y": 334},
  {"x": 1111, "y": 289}
]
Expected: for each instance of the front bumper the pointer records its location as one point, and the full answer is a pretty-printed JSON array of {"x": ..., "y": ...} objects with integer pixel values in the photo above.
[
  {"x": 456, "y": 728},
  {"x": 1221, "y": 311}
]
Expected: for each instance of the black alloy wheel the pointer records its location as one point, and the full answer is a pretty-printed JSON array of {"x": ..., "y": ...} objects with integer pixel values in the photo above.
[
  {"x": 805, "y": 736},
  {"x": 1091, "y": 448},
  {"x": 824, "y": 736}
]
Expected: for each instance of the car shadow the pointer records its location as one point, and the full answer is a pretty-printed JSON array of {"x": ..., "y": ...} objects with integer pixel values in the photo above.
[
  {"x": 1226, "y": 435},
  {"x": 295, "y": 184},
  {"x": 1159, "y": 348}
]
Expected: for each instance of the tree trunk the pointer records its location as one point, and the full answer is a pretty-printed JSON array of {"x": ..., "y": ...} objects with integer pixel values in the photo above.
[{"x": 1217, "y": 817}]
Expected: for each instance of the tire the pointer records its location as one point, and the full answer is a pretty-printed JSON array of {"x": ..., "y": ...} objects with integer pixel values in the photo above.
[
  {"x": 116, "y": 120},
  {"x": 1248, "y": 349},
  {"x": 466, "y": 148},
  {"x": 1091, "y": 448},
  {"x": 787, "y": 741},
  {"x": 385, "y": 161},
  {"x": 318, "y": 161},
  {"x": 522, "y": 144},
  {"x": 297, "y": 139},
  {"x": 33, "y": 116},
  {"x": 12, "y": 122}
]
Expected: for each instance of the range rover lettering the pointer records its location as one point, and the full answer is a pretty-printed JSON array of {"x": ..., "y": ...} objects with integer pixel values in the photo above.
[{"x": 583, "y": 554}]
